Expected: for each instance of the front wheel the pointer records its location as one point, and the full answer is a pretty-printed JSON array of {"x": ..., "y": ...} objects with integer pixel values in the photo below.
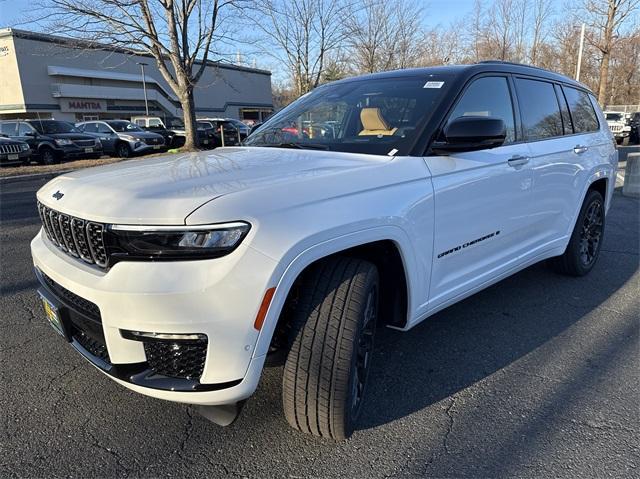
[
  {"x": 123, "y": 150},
  {"x": 332, "y": 335},
  {"x": 48, "y": 156},
  {"x": 586, "y": 240}
]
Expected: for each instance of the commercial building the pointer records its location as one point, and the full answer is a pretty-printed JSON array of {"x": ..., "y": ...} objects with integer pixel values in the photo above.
[{"x": 49, "y": 76}]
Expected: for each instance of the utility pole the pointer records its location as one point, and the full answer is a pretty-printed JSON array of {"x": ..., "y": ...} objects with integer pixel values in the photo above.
[
  {"x": 580, "y": 52},
  {"x": 144, "y": 87}
]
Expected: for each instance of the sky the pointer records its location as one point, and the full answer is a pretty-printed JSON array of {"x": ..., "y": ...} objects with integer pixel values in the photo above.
[
  {"x": 436, "y": 11},
  {"x": 13, "y": 12}
]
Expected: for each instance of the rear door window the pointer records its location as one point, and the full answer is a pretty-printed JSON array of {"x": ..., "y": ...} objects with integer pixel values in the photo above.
[
  {"x": 582, "y": 112},
  {"x": 540, "y": 110},
  {"x": 488, "y": 96}
]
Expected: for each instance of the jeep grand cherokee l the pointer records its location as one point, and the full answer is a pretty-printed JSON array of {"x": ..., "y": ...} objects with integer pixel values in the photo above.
[
  {"x": 51, "y": 140},
  {"x": 178, "y": 276}
]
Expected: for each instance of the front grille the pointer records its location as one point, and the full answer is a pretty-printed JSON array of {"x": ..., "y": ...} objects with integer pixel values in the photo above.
[
  {"x": 10, "y": 148},
  {"x": 82, "y": 305},
  {"x": 615, "y": 128},
  {"x": 85, "y": 143},
  {"x": 177, "y": 359},
  {"x": 76, "y": 237},
  {"x": 153, "y": 141}
]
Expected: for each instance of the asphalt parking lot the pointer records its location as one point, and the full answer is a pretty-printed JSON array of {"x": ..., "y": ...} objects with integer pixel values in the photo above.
[{"x": 536, "y": 376}]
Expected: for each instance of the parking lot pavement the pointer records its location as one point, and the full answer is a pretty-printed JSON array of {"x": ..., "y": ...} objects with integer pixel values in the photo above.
[{"x": 536, "y": 376}]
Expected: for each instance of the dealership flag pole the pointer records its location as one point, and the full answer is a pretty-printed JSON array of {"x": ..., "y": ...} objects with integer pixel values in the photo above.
[{"x": 144, "y": 88}]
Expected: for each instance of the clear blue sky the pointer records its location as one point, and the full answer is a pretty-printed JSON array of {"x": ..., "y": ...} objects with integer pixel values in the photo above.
[{"x": 436, "y": 11}]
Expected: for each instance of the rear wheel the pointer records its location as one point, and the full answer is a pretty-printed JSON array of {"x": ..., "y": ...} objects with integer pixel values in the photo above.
[
  {"x": 586, "y": 240},
  {"x": 332, "y": 336}
]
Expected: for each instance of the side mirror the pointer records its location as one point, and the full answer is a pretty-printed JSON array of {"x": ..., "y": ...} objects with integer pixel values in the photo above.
[
  {"x": 471, "y": 133},
  {"x": 31, "y": 133},
  {"x": 254, "y": 127}
]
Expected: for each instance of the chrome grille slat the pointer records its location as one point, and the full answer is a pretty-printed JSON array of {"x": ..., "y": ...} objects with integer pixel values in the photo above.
[
  {"x": 80, "y": 239},
  {"x": 10, "y": 149},
  {"x": 77, "y": 237},
  {"x": 67, "y": 236},
  {"x": 55, "y": 227}
]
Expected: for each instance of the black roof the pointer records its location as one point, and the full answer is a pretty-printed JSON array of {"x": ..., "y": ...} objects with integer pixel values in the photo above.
[{"x": 473, "y": 69}]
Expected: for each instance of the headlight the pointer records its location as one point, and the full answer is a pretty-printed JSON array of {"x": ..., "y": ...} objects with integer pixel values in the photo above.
[
  {"x": 175, "y": 242},
  {"x": 63, "y": 142},
  {"x": 24, "y": 147},
  {"x": 626, "y": 128}
]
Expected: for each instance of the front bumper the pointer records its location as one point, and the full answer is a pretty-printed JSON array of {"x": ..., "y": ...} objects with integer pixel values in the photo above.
[
  {"x": 7, "y": 158},
  {"x": 74, "y": 151},
  {"x": 218, "y": 298}
]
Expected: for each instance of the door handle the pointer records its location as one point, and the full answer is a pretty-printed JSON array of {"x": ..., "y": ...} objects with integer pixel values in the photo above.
[
  {"x": 518, "y": 160},
  {"x": 578, "y": 149}
]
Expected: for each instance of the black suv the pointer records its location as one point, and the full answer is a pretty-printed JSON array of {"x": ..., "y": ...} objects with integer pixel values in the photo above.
[
  {"x": 51, "y": 140},
  {"x": 634, "y": 123},
  {"x": 13, "y": 151}
]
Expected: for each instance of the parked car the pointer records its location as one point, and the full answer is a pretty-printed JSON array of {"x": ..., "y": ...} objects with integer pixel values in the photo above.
[
  {"x": 174, "y": 137},
  {"x": 122, "y": 138},
  {"x": 207, "y": 136},
  {"x": 618, "y": 126},
  {"x": 232, "y": 136},
  {"x": 634, "y": 124},
  {"x": 438, "y": 183},
  {"x": 51, "y": 140},
  {"x": 13, "y": 151},
  {"x": 243, "y": 128}
]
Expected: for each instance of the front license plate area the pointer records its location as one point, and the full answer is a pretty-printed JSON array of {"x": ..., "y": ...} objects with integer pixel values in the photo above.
[
  {"x": 13, "y": 157},
  {"x": 88, "y": 150},
  {"x": 156, "y": 147},
  {"x": 53, "y": 315}
]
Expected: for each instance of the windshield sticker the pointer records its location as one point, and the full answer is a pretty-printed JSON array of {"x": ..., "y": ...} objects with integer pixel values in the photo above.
[
  {"x": 433, "y": 84},
  {"x": 392, "y": 152}
]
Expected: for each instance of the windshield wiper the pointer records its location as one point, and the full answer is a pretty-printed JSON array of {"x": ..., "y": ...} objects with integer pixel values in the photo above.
[{"x": 298, "y": 146}]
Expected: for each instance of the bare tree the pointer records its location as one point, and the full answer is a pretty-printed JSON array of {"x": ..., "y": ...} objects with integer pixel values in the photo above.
[
  {"x": 542, "y": 12},
  {"x": 300, "y": 35},
  {"x": 179, "y": 34},
  {"x": 607, "y": 19},
  {"x": 383, "y": 35}
]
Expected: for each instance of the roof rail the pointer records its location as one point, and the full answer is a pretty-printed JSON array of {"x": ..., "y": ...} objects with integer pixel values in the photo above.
[{"x": 507, "y": 63}]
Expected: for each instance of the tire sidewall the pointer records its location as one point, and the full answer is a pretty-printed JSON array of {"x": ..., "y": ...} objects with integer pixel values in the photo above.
[
  {"x": 48, "y": 156},
  {"x": 574, "y": 246},
  {"x": 351, "y": 416},
  {"x": 123, "y": 150}
]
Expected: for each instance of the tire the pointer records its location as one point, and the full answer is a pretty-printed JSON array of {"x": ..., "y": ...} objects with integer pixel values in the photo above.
[
  {"x": 123, "y": 150},
  {"x": 331, "y": 344},
  {"x": 586, "y": 240},
  {"x": 48, "y": 156}
]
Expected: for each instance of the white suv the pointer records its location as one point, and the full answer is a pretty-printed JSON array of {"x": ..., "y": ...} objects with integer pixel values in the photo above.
[{"x": 374, "y": 200}]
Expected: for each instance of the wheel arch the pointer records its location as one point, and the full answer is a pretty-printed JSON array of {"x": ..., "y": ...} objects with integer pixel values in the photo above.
[{"x": 388, "y": 248}]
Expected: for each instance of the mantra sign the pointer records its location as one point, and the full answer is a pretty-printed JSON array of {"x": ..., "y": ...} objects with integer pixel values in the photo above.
[{"x": 79, "y": 105}]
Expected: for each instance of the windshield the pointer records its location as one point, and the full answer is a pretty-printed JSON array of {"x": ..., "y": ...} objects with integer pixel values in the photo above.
[
  {"x": 614, "y": 116},
  {"x": 380, "y": 116},
  {"x": 174, "y": 123},
  {"x": 204, "y": 125},
  {"x": 124, "y": 126},
  {"x": 48, "y": 127}
]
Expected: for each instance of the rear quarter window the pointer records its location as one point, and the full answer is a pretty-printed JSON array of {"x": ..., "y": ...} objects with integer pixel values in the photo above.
[{"x": 582, "y": 112}]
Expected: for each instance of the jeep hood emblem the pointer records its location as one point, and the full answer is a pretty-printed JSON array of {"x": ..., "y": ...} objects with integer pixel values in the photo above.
[{"x": 58, "y": 194}]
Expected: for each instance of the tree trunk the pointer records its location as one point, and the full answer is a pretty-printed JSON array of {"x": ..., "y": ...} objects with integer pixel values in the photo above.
[
  {"x": 604, "y": 79},
  {"x": 190, "y": 127}
]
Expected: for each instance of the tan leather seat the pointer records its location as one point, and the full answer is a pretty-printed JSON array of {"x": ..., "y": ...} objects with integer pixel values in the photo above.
[{"x": 373, "y": 124}]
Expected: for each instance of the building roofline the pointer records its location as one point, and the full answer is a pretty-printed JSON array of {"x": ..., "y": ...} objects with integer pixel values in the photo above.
[{"x": 75, "y": 43}]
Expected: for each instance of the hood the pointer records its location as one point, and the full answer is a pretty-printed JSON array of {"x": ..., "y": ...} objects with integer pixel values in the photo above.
[
  {"x": 70, "y": 136},
  {"x": 140, "y": 134},
  {"x": 165, "y": 190}
]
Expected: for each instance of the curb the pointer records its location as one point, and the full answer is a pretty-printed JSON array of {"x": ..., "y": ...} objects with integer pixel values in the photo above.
[{"x": 9, "y": 179}]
